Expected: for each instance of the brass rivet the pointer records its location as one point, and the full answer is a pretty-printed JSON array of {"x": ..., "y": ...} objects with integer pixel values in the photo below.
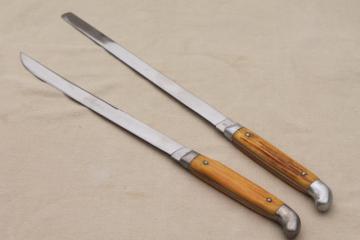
[
  {"x": 269, "y": 200},
  {"x": 248, "y": 134},
  {"x": 205, "y": 162},
  {"x": 303, "y": 173}
]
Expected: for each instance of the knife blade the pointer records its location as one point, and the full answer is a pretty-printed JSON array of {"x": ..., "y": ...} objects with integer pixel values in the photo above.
[
  {"x": 211, "y": 171},
  {"x": 245, "y": 139}
]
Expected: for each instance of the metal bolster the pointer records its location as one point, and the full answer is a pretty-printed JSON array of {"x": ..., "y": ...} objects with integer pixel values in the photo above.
[
  {"x": 289, "y": 221},
  {"x": 228, "y": 127},
  {"x": 184, "y": 156},
  {"x": 186, "y": 160}
]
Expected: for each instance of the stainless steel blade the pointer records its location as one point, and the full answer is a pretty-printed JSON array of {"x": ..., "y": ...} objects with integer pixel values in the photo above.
[
  {"x": 154, "y": 76},
  {"x": 101, "y": 107}
]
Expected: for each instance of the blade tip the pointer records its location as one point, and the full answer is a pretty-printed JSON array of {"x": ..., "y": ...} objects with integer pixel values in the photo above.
[
  {"x": 26, "y": 61},
  {"x": 66, "y": 16},
  {"x": 32, "y": 65},
  {"x": 23, "y": 57}
]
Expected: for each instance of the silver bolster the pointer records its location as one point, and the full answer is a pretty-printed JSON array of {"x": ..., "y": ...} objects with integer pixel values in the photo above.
[
  {"x": 184, "y": 156},
  {"x": 321, "y": 194},
  {"x": 228, "y": 127},
  {"x": 186, "y": 159},
  {"x": 289, "y": 221}
]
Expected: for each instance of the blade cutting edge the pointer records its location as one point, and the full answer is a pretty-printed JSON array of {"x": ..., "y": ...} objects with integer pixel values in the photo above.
[
  {"x": 154, "y": 76},
  {"x": 101, "y": 107}
]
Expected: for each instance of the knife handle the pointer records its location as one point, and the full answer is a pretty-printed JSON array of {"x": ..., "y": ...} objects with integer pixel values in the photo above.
[
  {"x": 246, "y": 192},
  {"x": 283, "y": 166}
]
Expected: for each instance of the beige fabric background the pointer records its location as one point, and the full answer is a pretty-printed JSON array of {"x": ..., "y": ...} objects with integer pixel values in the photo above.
[{"x": 289, "y": 70}]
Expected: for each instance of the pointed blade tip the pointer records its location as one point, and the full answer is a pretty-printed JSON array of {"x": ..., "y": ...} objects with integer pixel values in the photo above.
[
  {"x": 24, "y": 58},
  {"x": 22, "y": 54},
  {"x": 31, "y": 65}
]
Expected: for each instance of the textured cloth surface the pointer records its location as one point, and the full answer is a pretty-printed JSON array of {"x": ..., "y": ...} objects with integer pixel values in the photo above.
[{"x": 289, "y": 70}]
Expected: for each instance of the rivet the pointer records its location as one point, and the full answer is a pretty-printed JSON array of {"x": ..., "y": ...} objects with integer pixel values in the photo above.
[
  {"x": 303, "y": 173},
  {"x": 205, "y": 162},
  {"x": 269, "y": 200},
  {"x": 248, "y": 134}
]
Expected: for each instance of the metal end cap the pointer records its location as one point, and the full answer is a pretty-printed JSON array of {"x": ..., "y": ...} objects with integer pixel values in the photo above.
[
  {"x": 289, "y": 221},
  {"x": 322, "y": 195}
]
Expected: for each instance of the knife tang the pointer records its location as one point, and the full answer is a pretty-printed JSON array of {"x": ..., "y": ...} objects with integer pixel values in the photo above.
[
  {"x": 211, "y": 171},
  {"x": 263, "y": 152}
]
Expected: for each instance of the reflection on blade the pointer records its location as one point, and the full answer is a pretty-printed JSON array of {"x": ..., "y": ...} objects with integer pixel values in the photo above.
[
  {"x": 154, "y": 76},
  {"x": 101, "y": 107}
]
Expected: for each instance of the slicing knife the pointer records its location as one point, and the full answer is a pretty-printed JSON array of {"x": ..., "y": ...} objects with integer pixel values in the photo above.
[
  {"x": 211, "y": 171},
  {"x": 246, "y": 140}
]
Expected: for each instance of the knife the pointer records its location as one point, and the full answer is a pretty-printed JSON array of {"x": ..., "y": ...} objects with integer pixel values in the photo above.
[
  {"x": 257, "y": 148},
  {"x": 211, "y": 171}
]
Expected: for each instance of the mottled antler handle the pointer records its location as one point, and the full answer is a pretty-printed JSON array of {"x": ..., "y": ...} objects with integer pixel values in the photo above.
[{"x": 283, "y": 166}]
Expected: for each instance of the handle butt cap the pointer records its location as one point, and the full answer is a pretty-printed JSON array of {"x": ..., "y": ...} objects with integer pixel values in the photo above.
[
  {"x": 289, "y": 221},
  {"x": 321, "y": 194}
]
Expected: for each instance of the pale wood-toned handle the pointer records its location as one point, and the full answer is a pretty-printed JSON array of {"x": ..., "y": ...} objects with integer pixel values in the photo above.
[
  {"x": 236, "y": 186},
  {"x": 273, "y": 159}
]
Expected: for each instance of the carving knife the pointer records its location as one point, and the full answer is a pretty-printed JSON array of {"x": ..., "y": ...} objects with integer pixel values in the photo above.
[
  {"x": 246, "y": 140},
  {"x": 209, "y": 170}
]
